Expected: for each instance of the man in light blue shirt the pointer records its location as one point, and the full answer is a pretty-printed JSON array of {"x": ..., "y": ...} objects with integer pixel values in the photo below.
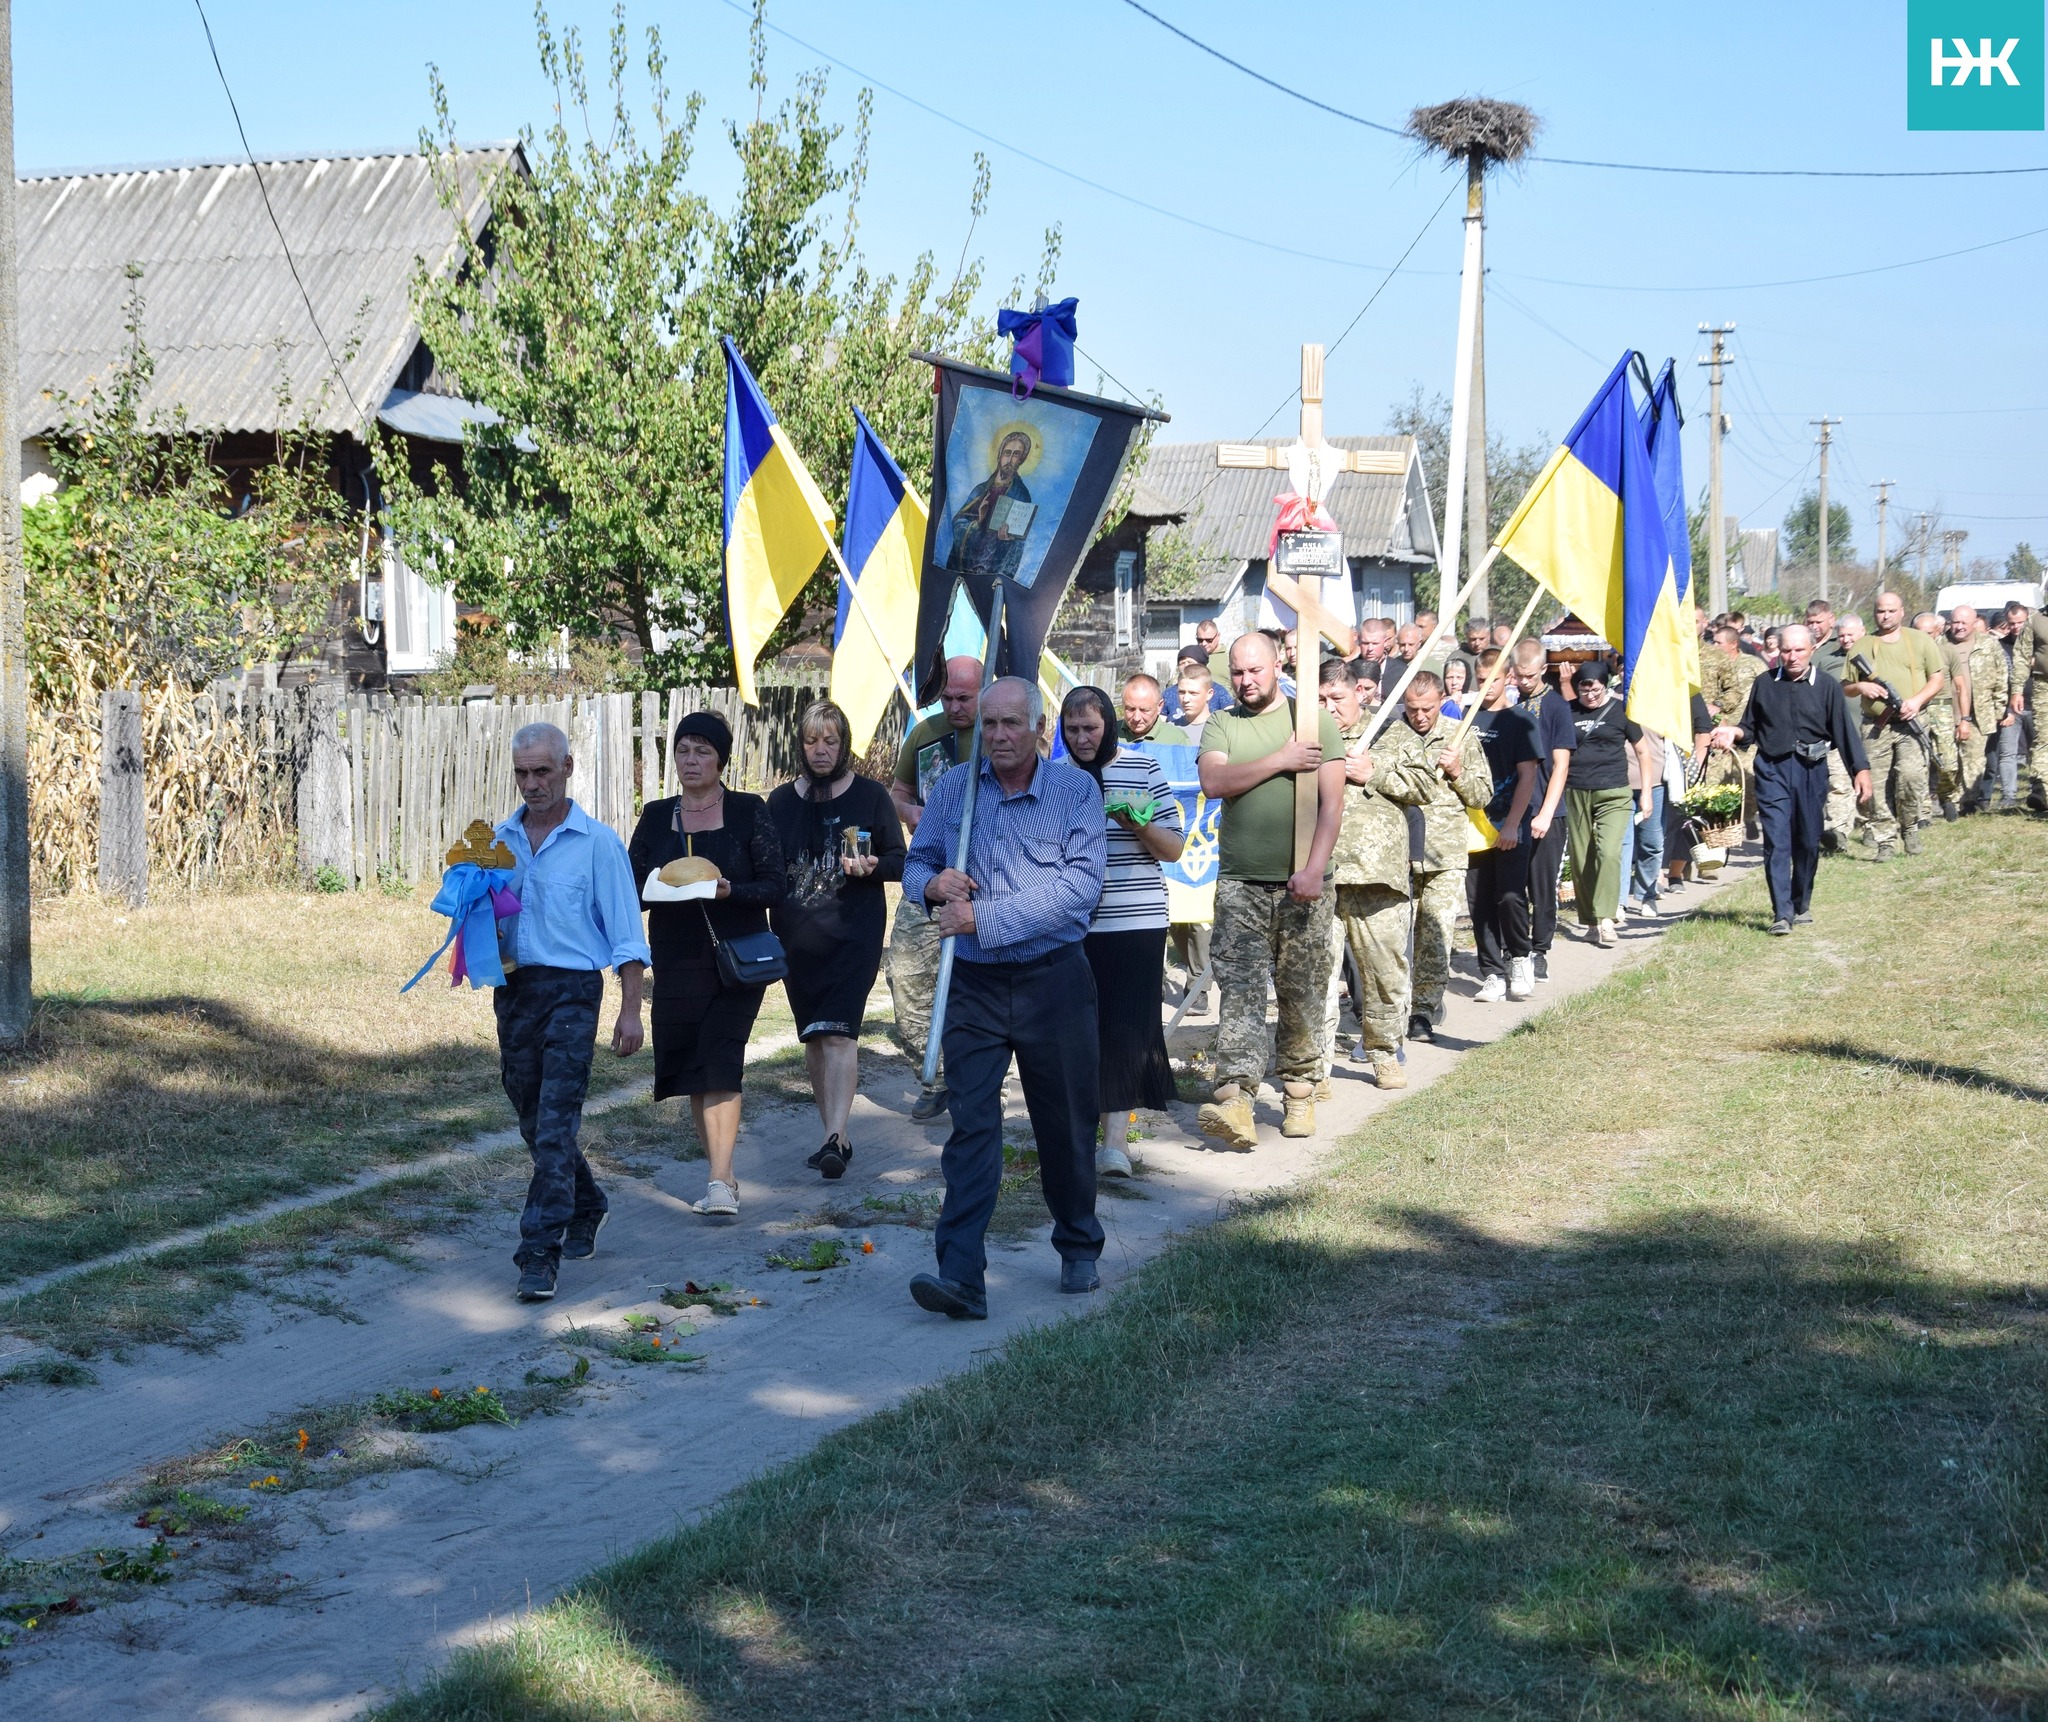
[
  {"x": 1017, "y": 914},
  {"x": 579, "y": 914}
]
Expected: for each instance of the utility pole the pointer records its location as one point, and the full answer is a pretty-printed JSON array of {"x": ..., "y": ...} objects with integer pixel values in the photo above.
[
  {"x": 1883, "y": 487},
  {"x": 1717, "y": 425},
  {"x": 14, "y": 921},
  {"x": 1826, "y": 426}
]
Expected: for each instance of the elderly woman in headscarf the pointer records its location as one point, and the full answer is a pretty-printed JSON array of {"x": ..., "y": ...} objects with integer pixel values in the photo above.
[
  {"x": 699, "y": 1024},
  {"x": 1126, "y": 942}
]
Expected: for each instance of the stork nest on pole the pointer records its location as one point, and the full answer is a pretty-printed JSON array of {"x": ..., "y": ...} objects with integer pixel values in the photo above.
[{"x": 1497, "y": 131}]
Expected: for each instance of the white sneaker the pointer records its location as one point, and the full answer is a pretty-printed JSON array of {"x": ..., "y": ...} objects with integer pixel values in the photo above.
[
  {"x": 1621, "y": 911},
  {"x": 719, "y": 1198},
  {"x": 1521, "y": 978},
  {"x": 1111, "y": 1162},
  {"x": 1603, "y": 934},
  {"x": 1491, "y": 990}
]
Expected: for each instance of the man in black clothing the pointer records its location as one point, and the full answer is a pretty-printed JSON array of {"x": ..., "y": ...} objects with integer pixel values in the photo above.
[
  {"x": 1556, "y": 739},
  {"x": 1794, "y": 717}
]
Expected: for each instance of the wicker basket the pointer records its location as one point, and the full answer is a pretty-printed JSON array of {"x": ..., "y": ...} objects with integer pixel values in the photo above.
[{"x": 1719, "y": 836}]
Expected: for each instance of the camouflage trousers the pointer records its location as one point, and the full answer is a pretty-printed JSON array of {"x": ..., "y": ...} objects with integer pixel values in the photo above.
[
  {"x": 1973, "y": 756},
  {"x": 547, "y": 1032},
  {"x": 1840, "y": 816},
  {"x": 1439, "y": 899},
  {"x": 1371, "y": 922},
  {"x": 1948, "y": 763},
  {"x": 914, "y": 943},
  {"x": 2037, "y": 755},
  {"x": 1898, "y": 781},
  {"x": 1262, "y": 934}
]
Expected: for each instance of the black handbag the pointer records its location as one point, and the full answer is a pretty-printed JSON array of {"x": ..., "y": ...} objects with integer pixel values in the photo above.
[{"x": 751, "y": 960}]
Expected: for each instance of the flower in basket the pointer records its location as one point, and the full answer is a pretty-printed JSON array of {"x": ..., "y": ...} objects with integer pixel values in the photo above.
[
  {"x": 1715, "y": 804},
  {"x": 475, "y": 895}
]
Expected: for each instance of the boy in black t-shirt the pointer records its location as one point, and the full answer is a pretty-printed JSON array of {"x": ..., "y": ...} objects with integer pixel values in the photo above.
[{"x": 1497, "y": 879}]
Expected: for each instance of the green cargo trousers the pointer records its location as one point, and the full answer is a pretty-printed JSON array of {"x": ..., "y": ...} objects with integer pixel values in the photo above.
[{"x": 1596, "y": 832}]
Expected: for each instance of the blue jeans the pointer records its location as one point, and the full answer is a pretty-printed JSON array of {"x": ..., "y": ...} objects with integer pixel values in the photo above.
[
  {"x": 1643, "y": 862},
  {"x": 547, "y": 1031},
  {"x": 1043, "y": 1012}
]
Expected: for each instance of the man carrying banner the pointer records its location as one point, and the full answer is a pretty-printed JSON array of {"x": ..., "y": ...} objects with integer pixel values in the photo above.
[
  {"x": 931, "y": 749},
  {"x": 1272, "y": 919},
  {"x": 1444, "y": 774}
]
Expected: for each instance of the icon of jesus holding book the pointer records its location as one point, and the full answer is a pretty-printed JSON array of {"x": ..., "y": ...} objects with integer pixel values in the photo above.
[{"x": 990, "y": 526}]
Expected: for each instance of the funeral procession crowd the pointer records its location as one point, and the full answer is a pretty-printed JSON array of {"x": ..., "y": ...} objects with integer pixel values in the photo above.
[{"x": 1498, "y": 780}]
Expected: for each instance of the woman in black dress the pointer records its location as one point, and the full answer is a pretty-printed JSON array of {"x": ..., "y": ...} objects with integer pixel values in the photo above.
[
  {"x": 700, "y": 1025},
  {"x": 831, "y": 922}
]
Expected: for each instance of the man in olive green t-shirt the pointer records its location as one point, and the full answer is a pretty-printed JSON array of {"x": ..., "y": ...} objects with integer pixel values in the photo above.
[
  {"x": 933, "y": 746},
  {"x": 1908, "y": 660},
  {"x": 1272, "y": 919}
]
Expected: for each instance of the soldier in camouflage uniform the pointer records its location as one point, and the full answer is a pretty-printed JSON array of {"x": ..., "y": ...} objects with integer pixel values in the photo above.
[
  {"x": 1726, "y": 672},
  {"x": 1947, "y": 772},
  {"x": 2029, "y": 677},
  {"x": 1370, "y": 871},
  {"x": 1977, "y": 727},
  {"x": 1424, "y": 771}
]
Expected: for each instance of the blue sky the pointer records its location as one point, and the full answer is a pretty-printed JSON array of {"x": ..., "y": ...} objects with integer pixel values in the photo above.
[{"x": 1937, "y": 369}]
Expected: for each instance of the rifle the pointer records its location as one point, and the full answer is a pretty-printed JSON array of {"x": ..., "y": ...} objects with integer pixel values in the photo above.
[{"x": 1893, "y": 713}]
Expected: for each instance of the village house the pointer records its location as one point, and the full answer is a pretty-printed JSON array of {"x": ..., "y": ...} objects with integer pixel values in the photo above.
[
  {"x": 240, "y": 351},
  {"x": 1194, "y": 547}
]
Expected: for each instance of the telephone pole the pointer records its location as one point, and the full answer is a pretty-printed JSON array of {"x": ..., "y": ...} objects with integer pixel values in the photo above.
[
  {"x": 1826, "y": 426},
  {"x": 1883, "y": 487},
  {"x": 1717, "y": 425},
  {"x": 14, "y": 919}
]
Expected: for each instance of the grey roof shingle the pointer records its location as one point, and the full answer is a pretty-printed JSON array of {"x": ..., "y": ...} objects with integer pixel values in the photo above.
[
  {"x": 224, "y": 319},
  {"x": 1229, "y": 512}
]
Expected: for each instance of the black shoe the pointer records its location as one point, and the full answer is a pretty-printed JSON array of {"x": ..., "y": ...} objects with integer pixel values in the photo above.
[
  {"x": 833, "y": 1158},
  {"x": 1077, "y": 1274},
  {"x": 1803, "y": 919},
  {"x": 579, "y": 1238},
  {"x": 537, "y": 1279},
  {"x": 949, "y": 1298},
  {"x": 1780, "y": 927},
  {"x": 930, "y": 1103},
  {"x": 1831, "y": 843},
  {"x": 1420, "y": 1027}
]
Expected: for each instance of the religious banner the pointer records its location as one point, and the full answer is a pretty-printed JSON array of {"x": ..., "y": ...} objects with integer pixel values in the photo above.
[
  {"x": 1019, "y": 488},
  {"x": 1190, "y": 881}
]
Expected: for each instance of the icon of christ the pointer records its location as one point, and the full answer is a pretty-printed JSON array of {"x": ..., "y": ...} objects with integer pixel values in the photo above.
[{"x": 990, "y": 526}]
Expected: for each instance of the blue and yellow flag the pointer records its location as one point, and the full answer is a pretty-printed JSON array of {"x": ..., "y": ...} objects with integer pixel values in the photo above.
[
  {"x": 875, "y": 634},
  {"x": 778, "y": 526},
  {"x": 1591, "y": 532},
  {"x": 1662, "y": 422}
]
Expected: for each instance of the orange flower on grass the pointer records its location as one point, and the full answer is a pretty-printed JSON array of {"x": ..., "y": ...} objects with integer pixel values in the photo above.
[
  {"x": 433, "y": 1393},
  {"x": 303, "y": 1439}
]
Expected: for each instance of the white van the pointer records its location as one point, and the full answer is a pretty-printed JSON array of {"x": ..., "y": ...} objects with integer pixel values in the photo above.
[{"x": 1989, "y": 597}]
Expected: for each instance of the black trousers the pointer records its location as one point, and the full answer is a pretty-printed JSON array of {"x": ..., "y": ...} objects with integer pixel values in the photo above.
[
  {"x": 547, "y": 1031},
  {"x": 1546, "y": 867},
  {"x": 1497, "y": 897},
  {"x": 1043, "y": 1012},
  {"x": 1791, "y": 802}
]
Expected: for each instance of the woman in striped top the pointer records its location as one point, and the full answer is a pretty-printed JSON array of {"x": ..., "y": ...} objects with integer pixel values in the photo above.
[{"x": 1126, "y": 941}]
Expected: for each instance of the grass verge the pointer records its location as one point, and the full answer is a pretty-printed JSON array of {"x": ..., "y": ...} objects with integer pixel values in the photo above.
[{"x": 1682, "y": 1355}]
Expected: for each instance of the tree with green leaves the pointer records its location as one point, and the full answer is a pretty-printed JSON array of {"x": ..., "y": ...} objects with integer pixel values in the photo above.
[
  {"x": 1799, "y": 547},
  {"x": 142, "y": 568},
  {"x": 588, "y": 319},
  {"x": 2023, "y": 564}
]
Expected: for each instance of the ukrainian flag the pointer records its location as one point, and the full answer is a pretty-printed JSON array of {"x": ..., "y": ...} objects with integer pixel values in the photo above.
[
  {"x": 874, "y": 639},
  {"x": 778, "y": 526},
  {"x": 1662, "y": 422},
  {"x": 1591, "y": 532}
]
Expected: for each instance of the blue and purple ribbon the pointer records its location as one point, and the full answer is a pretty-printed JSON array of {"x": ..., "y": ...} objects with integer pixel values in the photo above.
[
  {"x": 1041, "y": 346},
  {"x": 474, "y": 905}
]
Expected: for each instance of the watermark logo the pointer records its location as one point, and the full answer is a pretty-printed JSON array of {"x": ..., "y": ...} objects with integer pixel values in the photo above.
[{"x": 1974, "y": 65}]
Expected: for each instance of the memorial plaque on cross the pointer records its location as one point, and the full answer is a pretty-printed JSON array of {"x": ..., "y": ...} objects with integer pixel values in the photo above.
[{"x": 1296, "y": 573}]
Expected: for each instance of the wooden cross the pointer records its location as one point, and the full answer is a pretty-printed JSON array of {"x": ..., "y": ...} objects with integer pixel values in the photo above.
[{"x": 1312, "y": 466}]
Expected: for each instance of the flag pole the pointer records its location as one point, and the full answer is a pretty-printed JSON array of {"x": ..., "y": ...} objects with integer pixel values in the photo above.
[
  {"x": 1392, "y": 703},
  {"x": 859, "y": 603},
  {"x": 1465, "y": 722},
  {"x": 930, "y": 1073}
]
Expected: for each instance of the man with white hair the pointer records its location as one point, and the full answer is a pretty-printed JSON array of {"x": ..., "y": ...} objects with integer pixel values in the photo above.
[
  {"x": 1017, "y": 912},
  {"x": 579, "y": 914},
  {"x": 1794, "y": 718}
]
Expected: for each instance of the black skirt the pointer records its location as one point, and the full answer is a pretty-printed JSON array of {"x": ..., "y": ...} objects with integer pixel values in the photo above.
[
  {"x": 700, "y": 1027},
  {"x": 1134, "y": 1068},
  {"x": 828, "y": 990}
]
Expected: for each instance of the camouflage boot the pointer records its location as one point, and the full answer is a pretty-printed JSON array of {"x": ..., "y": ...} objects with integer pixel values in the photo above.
[
  {"x": 1298, "y": 1117},
  {"x": 1387, "y": 1071},
  {"x": 1228, "y": 1118}
]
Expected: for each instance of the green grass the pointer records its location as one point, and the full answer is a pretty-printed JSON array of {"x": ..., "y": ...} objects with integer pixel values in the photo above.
[{"x": 1682, "y": 1355}]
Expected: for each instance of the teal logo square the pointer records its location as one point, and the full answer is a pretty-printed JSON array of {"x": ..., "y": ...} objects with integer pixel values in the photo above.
[{"x": 1974, "y": 66}]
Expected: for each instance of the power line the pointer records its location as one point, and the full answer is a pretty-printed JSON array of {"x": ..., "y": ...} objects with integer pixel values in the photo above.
[
  {"x": 291, "y": 262},
  {"x": 1291, "y": 92}
]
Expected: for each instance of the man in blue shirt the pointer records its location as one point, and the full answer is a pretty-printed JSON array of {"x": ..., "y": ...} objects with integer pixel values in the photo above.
[
  {"x": 579, "y": 914},
  {"x": 1021, "y": 985}
]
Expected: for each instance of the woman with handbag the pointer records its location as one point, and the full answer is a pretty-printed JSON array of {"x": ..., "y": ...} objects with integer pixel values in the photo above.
[
  {"x": 842, "y": 842},
  {"x": 712, "y": 961}
]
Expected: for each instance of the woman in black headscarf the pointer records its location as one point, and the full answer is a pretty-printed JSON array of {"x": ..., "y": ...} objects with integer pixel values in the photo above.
[
  {"x": 841, "y": 842},
  {"x": 1126, "y": 942},
  {"x": 699, "y": 1024}
]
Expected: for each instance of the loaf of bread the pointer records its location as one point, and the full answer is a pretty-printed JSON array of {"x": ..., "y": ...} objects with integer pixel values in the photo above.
[{"x": 690, "y": 870}]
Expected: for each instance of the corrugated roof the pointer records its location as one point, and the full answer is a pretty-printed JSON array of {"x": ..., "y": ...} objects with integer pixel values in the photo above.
[
  {"x": 1229, "y": 512},
  {"x": 224, "y": 319}
]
